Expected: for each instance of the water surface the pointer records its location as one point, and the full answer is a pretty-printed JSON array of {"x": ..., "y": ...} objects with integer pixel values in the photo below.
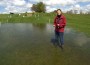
[{"x": 30, "y": 44}]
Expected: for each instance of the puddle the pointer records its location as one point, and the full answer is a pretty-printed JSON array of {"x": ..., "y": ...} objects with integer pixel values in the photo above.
[{"x": 30, "y": 43}]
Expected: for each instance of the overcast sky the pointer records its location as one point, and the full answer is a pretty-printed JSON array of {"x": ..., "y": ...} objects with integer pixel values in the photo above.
[{"x": 24, "y": 5}]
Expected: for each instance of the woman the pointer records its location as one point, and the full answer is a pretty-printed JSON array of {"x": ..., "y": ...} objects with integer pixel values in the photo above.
[{"x": 59, "y": 24}]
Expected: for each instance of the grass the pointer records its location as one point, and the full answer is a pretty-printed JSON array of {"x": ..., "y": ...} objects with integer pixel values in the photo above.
[
  {"x": 80, "y": 22},
  {"x": 36, "y": 18}
]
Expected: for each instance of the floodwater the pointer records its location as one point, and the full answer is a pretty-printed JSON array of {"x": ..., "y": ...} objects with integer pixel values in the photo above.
[{"x": 30, "y": 44}]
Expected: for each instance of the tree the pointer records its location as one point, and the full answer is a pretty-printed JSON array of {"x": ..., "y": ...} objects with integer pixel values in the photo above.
[
  {"x": 39, "y": 7},
  {"x": 34, "y": 7}
]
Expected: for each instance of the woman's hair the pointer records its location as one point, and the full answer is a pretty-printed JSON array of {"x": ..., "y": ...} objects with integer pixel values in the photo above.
[{"x": 59, "y": 10}]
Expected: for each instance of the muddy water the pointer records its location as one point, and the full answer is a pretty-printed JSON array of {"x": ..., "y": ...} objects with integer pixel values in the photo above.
[{"x": 30, "y": 44}]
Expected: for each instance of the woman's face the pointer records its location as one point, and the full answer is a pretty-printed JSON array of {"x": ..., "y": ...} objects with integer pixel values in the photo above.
[{"x": 59, "y": 12}]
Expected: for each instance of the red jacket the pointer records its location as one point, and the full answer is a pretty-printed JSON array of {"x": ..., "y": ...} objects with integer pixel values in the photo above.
[{"x": 59, "y": 27}]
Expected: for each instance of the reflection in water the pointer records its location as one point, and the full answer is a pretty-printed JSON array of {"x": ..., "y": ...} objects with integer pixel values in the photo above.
[
  {"x": 49, "y": 28},
  {"x": 78, "y": 38},
  {"x": 9, "y": 31},
  {"x": 19, "y": 29},
  {"x": 81, "y": 39},
  {"x": 40, "y": 26},
  {"x": 0, "y": 24},
  {"x": 31, "y": 42}
]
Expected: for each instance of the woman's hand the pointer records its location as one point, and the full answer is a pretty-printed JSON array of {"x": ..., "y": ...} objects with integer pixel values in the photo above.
[{"x": 57, "y": 24}]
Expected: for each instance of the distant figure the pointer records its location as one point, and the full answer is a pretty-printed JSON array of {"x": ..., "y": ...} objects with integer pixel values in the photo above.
[{"x": 59, "y": 24}]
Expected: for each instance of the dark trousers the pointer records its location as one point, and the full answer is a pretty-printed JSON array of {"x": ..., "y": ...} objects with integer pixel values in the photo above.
[{"x": 59, "y": 37}]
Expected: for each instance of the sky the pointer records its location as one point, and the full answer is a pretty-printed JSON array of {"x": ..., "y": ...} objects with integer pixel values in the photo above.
[{"x": 20, "y": 6}]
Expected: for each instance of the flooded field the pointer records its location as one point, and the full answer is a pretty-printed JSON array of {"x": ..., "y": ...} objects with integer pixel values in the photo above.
[{"x": 30, "y": 44}]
